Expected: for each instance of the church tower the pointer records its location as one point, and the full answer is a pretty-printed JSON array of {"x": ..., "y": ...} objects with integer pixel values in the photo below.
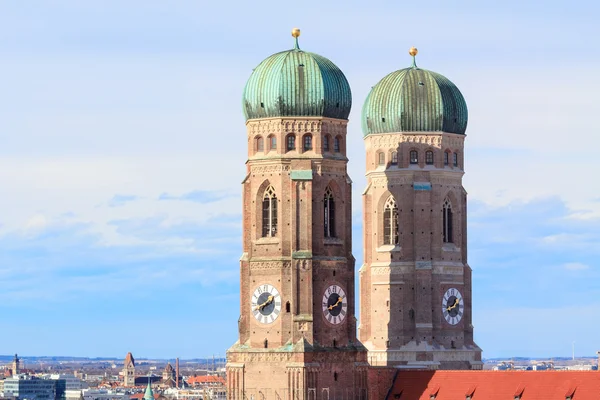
[
  {"x": 415, "y": 283},
  {"x": 15, "y": 365},
  {"x": 297, "y": 329},
  {"x": 129, "y": 370}
]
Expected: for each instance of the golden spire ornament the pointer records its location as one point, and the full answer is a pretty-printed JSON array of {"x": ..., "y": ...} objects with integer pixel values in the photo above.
[
  {"x": 413, "y": 52},
  {"x": 296, "y": 34}
]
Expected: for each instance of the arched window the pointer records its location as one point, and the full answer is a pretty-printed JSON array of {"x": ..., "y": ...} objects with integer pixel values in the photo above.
[
  {"x": 455, "y": 159},
  {"x": 336, "y": 144},
  {"x": 325, "y": 143},
  {"x": 447, "y": 221},
  {"x": 291, "y": 142},
  {"x": 307, "y": 142},
  {"x": 329, "y": 213},
  {"x": 260, "y": 146},
  {"x": 429, "y": 157},
  {"x": 269, "y": 213},
  {"x": 414, "y": 157},
  {"x": 380, "y": 158},
  {"x": 272, "y": 142},
  {"x": 390, "y": 221},
  {"x": 394, "y": 158},
  {"x": 446, "y": 158}
]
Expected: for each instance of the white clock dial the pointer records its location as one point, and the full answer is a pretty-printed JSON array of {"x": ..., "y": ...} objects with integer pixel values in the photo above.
[
  {"x": 265, "y": 303},
  {"x": 335, "y": 304},
  {"x": 453, "y": 306}
]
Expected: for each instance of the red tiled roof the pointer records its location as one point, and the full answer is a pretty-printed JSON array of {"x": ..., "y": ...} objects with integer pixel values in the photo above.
[
  {"x": 492, "y": 385},
  {"x": 141, "y": 396},
  {"x": 205, "y": 379},
  {"x": 129, "y": 359}
]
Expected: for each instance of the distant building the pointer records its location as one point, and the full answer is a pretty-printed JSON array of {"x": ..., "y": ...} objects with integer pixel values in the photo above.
[
  {"x": 15, "y": 365},
  {"x": 71, "y": 381},
  {"x": 129, "y": 370},
  {"x": 26, "y": 387},
  {"x": 95, "y": 394}
]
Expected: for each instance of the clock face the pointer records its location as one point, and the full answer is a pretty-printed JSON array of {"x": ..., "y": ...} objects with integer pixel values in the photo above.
[
  {"x": 335, "y": 304},
  {"x": 453, "y": 306},
  {"x": 265, "y": 304}
]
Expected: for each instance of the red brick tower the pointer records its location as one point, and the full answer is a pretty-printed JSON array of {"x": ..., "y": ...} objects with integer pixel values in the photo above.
[
  {"x": 297, "y": 329},
  {"x": 415, "y": 283}
]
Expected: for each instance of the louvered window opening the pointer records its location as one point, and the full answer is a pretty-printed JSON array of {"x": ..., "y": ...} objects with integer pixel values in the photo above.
[
  {"x": 269, "y": 213},
  {"x": 447, "y": 222},
  {"x": 329, "y": 214},
  {"x": 390, "y": 221}
]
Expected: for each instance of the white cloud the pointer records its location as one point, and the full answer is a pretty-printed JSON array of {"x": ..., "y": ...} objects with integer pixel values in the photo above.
[{"x": 575, "y": 266}]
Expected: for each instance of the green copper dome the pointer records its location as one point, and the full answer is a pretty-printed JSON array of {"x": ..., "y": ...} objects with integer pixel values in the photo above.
[
  {"x": 414, "y": 100},
  {"x": 295, "y": 83}
]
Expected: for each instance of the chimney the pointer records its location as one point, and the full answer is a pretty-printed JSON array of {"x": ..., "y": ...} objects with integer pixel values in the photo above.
[{"x": 177, "y": 372}]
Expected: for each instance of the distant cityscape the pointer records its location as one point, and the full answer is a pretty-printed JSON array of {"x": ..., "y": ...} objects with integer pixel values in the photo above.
[
  {"x": 81, "y": 378},
  {"x": 111, "y": 378}
]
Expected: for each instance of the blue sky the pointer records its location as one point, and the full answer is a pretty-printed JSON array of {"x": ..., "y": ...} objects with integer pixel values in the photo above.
[{"x": 118, "y": 233}]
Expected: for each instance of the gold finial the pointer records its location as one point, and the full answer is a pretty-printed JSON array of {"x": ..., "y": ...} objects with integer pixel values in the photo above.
[
  {"x": 413, "y": 51},
  {"x": 296, "y": 32}
]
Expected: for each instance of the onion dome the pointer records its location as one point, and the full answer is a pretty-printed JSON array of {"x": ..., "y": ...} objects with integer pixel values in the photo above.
[
  {"x": 414, "y": 100},
  {"x": 295, "y": 83}
]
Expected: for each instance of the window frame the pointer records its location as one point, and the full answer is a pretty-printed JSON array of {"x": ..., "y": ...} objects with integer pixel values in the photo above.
[
  {"x": 429, "y": 157},
  {"x": 337, "y": 144},
  {"x": 272, "y": 142},
  {"x": 394, "y": 158},
  {"x": 413, "y": 160},
  {"x": 260, "y": 144},
  {"x": 290, "y": 142},
  {"x": 307, "y": 139}
]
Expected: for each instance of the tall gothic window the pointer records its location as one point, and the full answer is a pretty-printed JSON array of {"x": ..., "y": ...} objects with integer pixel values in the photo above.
[
  {"x": 429, "y": 157},
  {"x": 307, "y": 142},
  {"x": 260, "y": 146},
  {"x": 390, "y": 221},
  {"x": 414, "y": 157},
  {"x": 336, "y": 144},
  {"x": 291, "y": 142},
  {"x": 394, "y": 158},
  {"x": 273, "y": 142},
  {"x": 446, "y": 158},
  {"x": 455, "y": 159},
  {"x": 381, "y": 158},
  {"x": 329, "y": 213},
  {"x": 447, "y": 222},
  {"x": 326, "y": 143},
  {"x": 269, "y": 215}
]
